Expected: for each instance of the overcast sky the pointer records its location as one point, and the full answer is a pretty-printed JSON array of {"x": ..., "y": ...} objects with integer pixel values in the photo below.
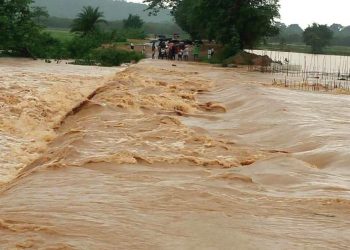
[{"x": 305, "y": 12}]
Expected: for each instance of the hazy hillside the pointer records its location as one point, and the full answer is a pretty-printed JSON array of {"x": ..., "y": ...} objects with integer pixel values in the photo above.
[{"x": 113, "y": 9}]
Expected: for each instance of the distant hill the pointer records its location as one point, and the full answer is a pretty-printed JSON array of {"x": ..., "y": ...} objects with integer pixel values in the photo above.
[{"x": 113, "y": 9}]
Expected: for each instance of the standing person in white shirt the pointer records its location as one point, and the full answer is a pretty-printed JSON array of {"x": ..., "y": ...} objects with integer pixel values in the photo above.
[
  {"x": 210, "y": 53},
  {"x": 186, "y": 53}
]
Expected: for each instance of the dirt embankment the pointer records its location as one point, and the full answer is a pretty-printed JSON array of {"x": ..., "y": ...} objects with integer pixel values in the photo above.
[{"x": 246, "y": 58}]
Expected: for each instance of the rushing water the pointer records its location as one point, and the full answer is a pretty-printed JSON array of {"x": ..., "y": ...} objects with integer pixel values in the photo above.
[
  {"x": 34, "y": 97},
  {"x": 181, "y": 156}
]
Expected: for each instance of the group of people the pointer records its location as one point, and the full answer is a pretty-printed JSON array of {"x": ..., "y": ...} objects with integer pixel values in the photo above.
[
  {"x": 174, "y": 50},
  {"x": 177, "y": 51},
  {"x": 171, "y": 50}
]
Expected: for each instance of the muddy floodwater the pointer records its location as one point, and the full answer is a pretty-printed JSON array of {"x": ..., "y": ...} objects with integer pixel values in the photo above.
[
  {"x": 166, "y": 155},
  {"x": 310, "y": 62},
  {"x": 34, "y": 98}
]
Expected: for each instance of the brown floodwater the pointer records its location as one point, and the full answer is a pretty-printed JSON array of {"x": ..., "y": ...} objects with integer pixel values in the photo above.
[
  {"x": 170, "y": 156},
  {"x": 34, "y": 98}
]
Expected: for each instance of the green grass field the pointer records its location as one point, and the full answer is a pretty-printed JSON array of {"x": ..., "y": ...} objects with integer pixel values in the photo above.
[
  {"x": 301, "y": 48},
  {"x": 62, "y": 35}
]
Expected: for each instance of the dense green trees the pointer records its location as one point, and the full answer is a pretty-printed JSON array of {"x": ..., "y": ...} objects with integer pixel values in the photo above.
[
  {"x": 21, "y": 35},
  {"x": 133, "y": 27},
  {"x": 317, "y": 36},
  {"x": 341, "y": 35},
  {"x": 87, "y": 49},
  {"x": 336, "y": 27},
  {"x": 39, "y": 14},
  {"x": 88, "y": 20},
  {"x": 227, "y": 21},
  {"x": 133, "y": 22},
  {"x": 18, "y": 30},
  {"x": 189, "y": 17},
  {"x": 293, "y": 34},
  {"x": 288, "y": 34}
]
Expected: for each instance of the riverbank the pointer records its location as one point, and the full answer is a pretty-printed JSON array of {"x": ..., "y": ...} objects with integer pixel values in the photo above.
[{"x": 174, "y": 155}]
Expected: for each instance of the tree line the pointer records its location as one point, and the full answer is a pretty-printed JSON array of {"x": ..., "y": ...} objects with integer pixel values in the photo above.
[
  {"x": 147, "y": 27},
  {"x": 236, "y": 24},
  {"x": 22, "y": 35},
  {"x": 293, "y": 34}
]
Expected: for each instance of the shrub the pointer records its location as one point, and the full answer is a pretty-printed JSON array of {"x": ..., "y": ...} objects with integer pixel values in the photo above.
[
  {"x": 45, "y": 46},
  {"x": 226, "y": 52},
  {"x": 81, "y": 46},
  {"x": 117, "y": 37},
  {"x": 110, "y": 57}
]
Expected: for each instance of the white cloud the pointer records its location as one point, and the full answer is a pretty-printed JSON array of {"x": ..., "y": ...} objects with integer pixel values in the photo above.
[{"x": 305, "y": 12}]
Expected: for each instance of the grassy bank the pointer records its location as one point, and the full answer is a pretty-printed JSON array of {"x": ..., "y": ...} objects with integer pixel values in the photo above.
[
  {"x": 60, "y": 34},
  {"x": 301, "y": 48},
  {"x": 100, "y": 48}
]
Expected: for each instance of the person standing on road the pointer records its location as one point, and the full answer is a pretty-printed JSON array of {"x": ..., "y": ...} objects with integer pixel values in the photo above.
[
  {"x": 180, "y": 54},
  {"x": 186, "y": 52},
  {"x": 209, "y": 53},
  {"x": 196, "y": 51},
  {"x": 174, "y": 52},
  {"x": 212, "y": 52},
  {"x": 153, "y": 49}
]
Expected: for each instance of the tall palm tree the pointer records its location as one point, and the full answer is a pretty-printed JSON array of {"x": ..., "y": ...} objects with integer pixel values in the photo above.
[{"x": 87, "y": 21}]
